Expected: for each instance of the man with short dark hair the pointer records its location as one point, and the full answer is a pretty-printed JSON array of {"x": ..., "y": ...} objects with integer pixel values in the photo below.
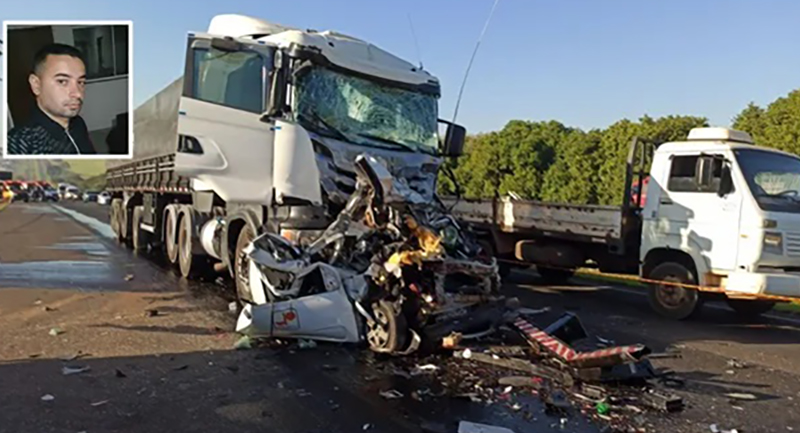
[{"x": 58, "y": 80}]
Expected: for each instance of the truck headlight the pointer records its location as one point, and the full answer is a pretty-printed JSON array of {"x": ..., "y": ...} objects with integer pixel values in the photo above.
[{"x": 773, "y": 243}]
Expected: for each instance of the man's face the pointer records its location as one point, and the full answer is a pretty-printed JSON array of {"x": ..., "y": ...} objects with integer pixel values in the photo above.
[{"x": 59, "y": 85}]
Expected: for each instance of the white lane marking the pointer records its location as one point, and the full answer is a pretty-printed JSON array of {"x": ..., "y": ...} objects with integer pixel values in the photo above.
[{"x": 98, "y": 226}]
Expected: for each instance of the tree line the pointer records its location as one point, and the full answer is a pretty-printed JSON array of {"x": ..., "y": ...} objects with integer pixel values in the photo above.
[{"x": 549, "y": 161}]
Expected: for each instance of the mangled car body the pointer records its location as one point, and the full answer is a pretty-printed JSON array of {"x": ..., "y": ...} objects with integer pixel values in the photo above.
[{"x": 393, "y": 270}]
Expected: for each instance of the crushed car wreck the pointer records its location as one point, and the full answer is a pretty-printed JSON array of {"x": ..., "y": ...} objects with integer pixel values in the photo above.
[{"x": 393, "y": 270}]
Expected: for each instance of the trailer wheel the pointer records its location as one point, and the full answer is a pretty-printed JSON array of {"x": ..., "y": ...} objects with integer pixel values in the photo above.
[
  {"x": 242, "y": 264},
  {"x": 120, "y": 220},
  {"x": 672, "y": 301},
  {"x": 139, "y": 238},
  {"x": 555, "y": 275},
  {"x": 113, "y": 211},
  {"x": 190, "y": 264},
  {"x": 750, "y": 309},
  {"x": 170, "y": 227}
]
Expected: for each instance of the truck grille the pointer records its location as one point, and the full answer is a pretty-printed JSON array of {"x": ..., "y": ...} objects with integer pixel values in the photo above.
[{"x": 793, "y": 244}]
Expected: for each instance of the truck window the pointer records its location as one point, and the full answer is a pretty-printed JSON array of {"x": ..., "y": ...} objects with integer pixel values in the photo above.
[
  {"x": 683, "y": 175},
  {"x": 232, "y": 79}
]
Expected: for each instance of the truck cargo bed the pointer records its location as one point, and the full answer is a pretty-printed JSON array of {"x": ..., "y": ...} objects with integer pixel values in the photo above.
[
  {"x": 155, "y": 174},
  {"x": 548, "y": 219}
]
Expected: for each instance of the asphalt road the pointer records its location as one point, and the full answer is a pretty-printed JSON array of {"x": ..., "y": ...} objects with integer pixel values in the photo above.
[{"x": 180, "y": 373}]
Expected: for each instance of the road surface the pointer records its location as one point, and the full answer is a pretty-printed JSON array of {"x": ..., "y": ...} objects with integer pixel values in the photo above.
[{"x": 160, "y": 352}]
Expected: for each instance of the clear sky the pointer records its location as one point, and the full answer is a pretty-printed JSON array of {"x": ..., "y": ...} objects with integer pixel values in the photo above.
[{"x": 586, "y": 63}]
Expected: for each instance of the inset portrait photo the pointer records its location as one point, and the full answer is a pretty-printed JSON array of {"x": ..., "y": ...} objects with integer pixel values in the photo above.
[{"x": 68, "y": 90}]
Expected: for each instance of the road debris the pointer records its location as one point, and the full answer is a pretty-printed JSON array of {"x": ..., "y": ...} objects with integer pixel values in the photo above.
[
  {"x": 129, "y": 277},
  {"x": 741, "y": 396},
  {"x": 99, "y": 403},
  {"x": 56, "y": 331},
  {"x": 233, "y": 307},
  {"x": 715, "y": 429},
  {"x": 366, "y": 427},
  {"x": 452, "y": 340},
  {"x": 151, "y": 312},
  {"x": 48, "y": 397},
  {"x": 734, "y": 363},
  {"x": 243, "y": 343},
  {"x": 118, "y": 373},
  {"x": 471, "y": 427},
  {"x": 306, "y": 344},
  {"x": 78, "y": 355},
  {"x": 391, "y": 394},
  {"x": 69, "y": 371}
]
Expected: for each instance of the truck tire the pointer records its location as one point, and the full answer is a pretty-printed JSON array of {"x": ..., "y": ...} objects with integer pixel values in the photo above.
[
  {"x": 191, "y": 265},
  {"x": 749, "y": 309},
  {"x": 242, "y": 264},
  {"x": 555, "y": 275},
  {"x": 121, "y": 220},
  {"x": 670, "y": 301},
  {"x": 113, "y": 218},
  {"x": 139, "y": 237},
  {"x": 170, "y": 228}
]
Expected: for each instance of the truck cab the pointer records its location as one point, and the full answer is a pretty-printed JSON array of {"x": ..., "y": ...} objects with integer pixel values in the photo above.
[
  {"x": 271, "y": 120},
  {"x": 721, "y": 212}
]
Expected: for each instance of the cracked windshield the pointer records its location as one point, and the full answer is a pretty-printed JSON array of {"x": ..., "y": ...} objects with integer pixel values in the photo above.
[{"x": 366, "y": 112}]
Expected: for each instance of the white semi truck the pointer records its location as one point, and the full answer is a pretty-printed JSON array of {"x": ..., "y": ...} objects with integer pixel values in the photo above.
[
  {"x": 720, "y": 212},
  {"x": 261, "y": 133}
]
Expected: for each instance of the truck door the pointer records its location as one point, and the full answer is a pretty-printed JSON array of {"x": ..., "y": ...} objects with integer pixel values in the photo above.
[
  {"x": 691, "y": 212},
  {"x": 223, "y": 143}
]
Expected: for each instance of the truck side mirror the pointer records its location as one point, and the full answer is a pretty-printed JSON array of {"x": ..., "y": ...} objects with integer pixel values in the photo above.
[
  {"x": 725, "y": 181},
  {"x": 704, "y": 172},
  {"x": 454, "y": 138}
]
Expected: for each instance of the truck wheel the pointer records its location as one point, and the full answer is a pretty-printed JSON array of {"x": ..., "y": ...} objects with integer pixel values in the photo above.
[
  {"x": 120, "y": 220},
  {"x": 672, "y": 301},
  {"x": 554, "y": 275},
  {"x": 191, "y": 265},
  {"x": 139, "y": 237},
  {"x": 112, "y": 216},
  {"x": 169, "y": 235},
  {"x": 749, "y": 309},
  {"x": 242, "y": 264}
]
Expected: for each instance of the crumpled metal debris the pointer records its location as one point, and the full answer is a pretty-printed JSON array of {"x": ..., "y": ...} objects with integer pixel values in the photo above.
[{"x": 392, "y": 269}]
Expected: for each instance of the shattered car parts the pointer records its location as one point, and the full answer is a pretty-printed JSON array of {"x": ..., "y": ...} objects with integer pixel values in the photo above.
[{"x": 392, "y": 270}]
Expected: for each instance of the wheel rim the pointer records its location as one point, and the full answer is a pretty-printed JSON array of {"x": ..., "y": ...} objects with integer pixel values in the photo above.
[
  {"x": 669, "y": 295},
  {"x": 170, "y": 237},
  {"x": 378, "y": 334}
]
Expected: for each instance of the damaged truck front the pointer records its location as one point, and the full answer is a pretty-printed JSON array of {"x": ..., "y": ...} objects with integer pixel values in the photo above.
[
  {"x": 393, "y": 269},
  {"x": 261, "y": 135}
]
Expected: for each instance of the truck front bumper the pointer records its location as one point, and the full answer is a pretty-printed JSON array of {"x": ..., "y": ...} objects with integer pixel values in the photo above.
[{"x": 761, "y": 283}]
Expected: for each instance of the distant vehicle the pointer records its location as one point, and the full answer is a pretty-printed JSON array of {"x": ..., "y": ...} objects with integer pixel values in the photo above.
[
  {"x": 104, "y": 198},
  {"x": 50, "y": 194},
  {"x": 72, "y": 193},
  {"x": 90, "y": 196},
  {"x": 19, "y": 193}
]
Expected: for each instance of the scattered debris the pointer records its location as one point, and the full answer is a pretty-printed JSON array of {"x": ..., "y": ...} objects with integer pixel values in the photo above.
[
  {"x": 662, "y": 402},
  {"x": 68, "y": 371},
  {"x": 56, "y": 331},
  {"x": 99, "y": 403},
  {"x": 37, "y": 302},
  {"x": 452, "y": 340},
  {"x": 466, "y": 353},
  {"x": 233, "y": 307},
  {"x": 151, "y": 312},
  {"x": 522, "y": 381},
  {"x": 424, "y": 369},
  {"x": 741, "y": 396},
  {"x": 602, "y": 408},
  {"x": 119, "y": 373},
  {"x": 471, "y": 427},
  {"x": 734, "y": 363},
  {"x": 391, "y": 394},
  {"x": 48, "y": 309},
  {"x": 367, "y": 426},
  {"x": 306, "y": 344},
  {"x": 243, "y": 343},
  {"x": 715, "y": 429},
  {"x": 129, "y": 277},
  {"x": 181, "y": 367},
  {"x": 532, "y": 312},
  {"x": 604, "y": 342},
  {"x": 78, "y": 355},
  {"x": 48, "y": 397}
]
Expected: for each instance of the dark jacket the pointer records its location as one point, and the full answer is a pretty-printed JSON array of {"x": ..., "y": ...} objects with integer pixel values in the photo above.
[{"x": 42, "y": 135}]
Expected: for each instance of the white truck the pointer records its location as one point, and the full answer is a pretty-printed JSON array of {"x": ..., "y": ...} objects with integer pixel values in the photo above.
[
  {"x": 719, "y": 212},
  {"x": 261, "y": 133}
]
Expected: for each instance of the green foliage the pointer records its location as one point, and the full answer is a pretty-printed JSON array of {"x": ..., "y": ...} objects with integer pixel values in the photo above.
[{"x": 552, "y": 162}]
